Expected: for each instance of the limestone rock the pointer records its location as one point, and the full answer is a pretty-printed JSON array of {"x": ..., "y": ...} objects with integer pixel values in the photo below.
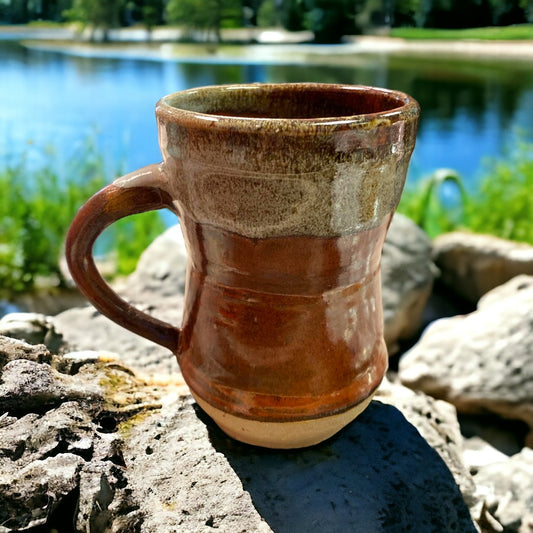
[
  {"x": 84, "y": 329},
  {"x": 437, "y": 422},
  {"x": 36, "y": 386},
  {"x": 31, "y": 494},
  {"x": 145, "y": 458},
  {"x": 482, "y": 361},
  {"x": 59, "y": 447},
  {"x": 160, "y": 272},
  {"x": 12, "y": 349},
  {"x": 508, "y": 290},
  {"x": 508, "y": 490},
  {"x": 473, "y": 264},
  {"x": 477, "y": 453},
  {"x": 378, "y": 474},
  {"x": 34, "y": 328},
  {"x": 407, "y": 274}
]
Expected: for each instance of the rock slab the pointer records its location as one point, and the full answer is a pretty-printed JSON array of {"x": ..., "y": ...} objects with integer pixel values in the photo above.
[
  {"x": 407, "y": 274},
  {"x": 130, "y": 455},
  {"x": 472, "y": 264},
  {"x": 481, "y": 362}
]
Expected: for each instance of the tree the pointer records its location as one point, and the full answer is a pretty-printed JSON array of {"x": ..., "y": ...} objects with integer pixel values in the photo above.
[
  {"x": 151, "y": 14},
  {"x": 15, "y": 12},
  {"x": 411, "y": 12},
  {"x": 329, "y": 20},
  {"x": 207, "y": 15},
  {"x": 251, "y": 11},
  {"x": 506, "y": 12},
  {"x": 98, "y": 14},
  {"x": 527, "y": 6}
]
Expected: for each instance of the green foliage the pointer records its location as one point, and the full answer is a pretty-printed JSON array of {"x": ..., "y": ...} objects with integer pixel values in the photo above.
[
  {"x": 501, "y": 204},
  {"x": 95, "y": 13},
  {"x": 410, "y": 13},
  {"x": 131, "y": 236},
  {"x": 207, "y": 15},
  {"x": 267, "y": 15},
  {"x": 438, "y": 203},
  {"x": 36, "y": 209},
  {"x": 150, "y": 16},
  {"x": 329, "y": 20},
  {"x": 517, "y": 32}
]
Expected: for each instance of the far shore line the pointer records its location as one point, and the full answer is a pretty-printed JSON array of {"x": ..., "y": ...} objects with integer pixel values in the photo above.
[{"x": 255, "y": 45}]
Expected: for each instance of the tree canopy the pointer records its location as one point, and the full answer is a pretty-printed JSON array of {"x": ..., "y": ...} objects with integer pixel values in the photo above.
[{"x": 328, "y": 19}]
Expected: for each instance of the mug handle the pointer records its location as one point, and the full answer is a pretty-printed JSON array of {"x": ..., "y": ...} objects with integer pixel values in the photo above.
[{"x": 134, "y": 193}]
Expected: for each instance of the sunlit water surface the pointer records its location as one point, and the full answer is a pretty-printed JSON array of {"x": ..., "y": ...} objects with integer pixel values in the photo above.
[{"x": 52, "y": 103}]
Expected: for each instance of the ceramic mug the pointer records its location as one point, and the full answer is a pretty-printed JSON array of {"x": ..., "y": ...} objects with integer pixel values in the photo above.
[{"x": 284, "y": 194}]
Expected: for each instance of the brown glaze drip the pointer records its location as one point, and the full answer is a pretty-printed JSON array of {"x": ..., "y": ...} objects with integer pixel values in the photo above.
[{"x": 283, "y": 328}]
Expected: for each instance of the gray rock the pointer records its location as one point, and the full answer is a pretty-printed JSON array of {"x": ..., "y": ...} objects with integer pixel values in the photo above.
[
  {"x": 378, "y": 474},
  {"x": 34, "y": 437},
  {"x": 146, "y": 459},
  {"x": 473, "y": 264},
  {"x": 437, "y": 422},
  {"x": 30, "y": 327},
  {"x": 510, "y": 289},
  {"x": 160, "y": 272},
  {"x": 34, "y": 328},
  {"x": 58, "y": 438},
  {"x": 30, "y": 495},
  {"x": 26, "y": 385},
  {"x": 84, "y": 329},
  {"x": 481, "y": 362},
  {"x": 13, "y": 349},
  {"x": 478, "y": 453},
  {"x": 508, "y": 490},
  {"x": 407, "y": 274}
]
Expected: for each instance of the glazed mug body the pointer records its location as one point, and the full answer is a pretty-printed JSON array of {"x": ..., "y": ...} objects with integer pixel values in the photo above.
[{"x": 284, "y": 193}]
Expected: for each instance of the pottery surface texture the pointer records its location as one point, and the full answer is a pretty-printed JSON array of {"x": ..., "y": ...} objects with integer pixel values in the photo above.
[{"x": 284, "y": 194}]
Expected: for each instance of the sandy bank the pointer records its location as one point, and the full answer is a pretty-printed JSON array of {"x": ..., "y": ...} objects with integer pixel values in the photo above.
[{"x": 263, "y": 46}]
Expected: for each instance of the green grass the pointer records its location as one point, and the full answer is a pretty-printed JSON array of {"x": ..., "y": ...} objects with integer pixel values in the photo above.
[
  {"x": 47, "y": 24},
  {"x": 36, "y": 209},
  {"x": 501, "y": 204},
  {"x": 492, "y": 33}
]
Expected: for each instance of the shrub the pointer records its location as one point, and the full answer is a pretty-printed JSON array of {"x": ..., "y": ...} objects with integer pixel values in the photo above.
[
  {"x": 500, "y": 204},
  {"x": 36, "y": 209}
]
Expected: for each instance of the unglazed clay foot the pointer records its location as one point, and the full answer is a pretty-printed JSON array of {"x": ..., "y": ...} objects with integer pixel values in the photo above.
[{"x": 282, "y": 435}]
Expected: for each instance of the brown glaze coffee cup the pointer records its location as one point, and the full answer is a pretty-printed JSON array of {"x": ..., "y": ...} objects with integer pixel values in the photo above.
[{"x": 284, "y": 194}]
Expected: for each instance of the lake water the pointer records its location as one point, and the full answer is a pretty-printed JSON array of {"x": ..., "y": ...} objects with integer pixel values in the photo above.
[{"x": 470, "y": 110}]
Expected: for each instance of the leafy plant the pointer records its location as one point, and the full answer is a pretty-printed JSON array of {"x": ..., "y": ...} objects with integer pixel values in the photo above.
[
  {"x": 36, "y": 209},
  {"x": 131, "y": 236},
  {"x": 438, "y": 204},
  {"x": 501, "y": 204}
]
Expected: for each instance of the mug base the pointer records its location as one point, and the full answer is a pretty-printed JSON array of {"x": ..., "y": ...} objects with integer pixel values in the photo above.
[{"x": 282, "y": 435}]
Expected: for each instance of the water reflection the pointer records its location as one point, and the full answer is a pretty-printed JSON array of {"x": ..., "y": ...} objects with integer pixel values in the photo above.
[{"x": 470, "y": 110}]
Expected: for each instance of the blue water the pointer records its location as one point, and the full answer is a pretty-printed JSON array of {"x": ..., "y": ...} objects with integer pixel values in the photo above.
[{"x": 52, "y": 103}]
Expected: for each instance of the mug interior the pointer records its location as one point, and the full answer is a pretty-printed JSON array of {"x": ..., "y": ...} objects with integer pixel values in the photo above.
[{"x": 288, "y": 101}]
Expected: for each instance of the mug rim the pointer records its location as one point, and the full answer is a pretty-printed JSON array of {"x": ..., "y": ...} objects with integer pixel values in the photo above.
[{"x": 408, "y": 107}]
